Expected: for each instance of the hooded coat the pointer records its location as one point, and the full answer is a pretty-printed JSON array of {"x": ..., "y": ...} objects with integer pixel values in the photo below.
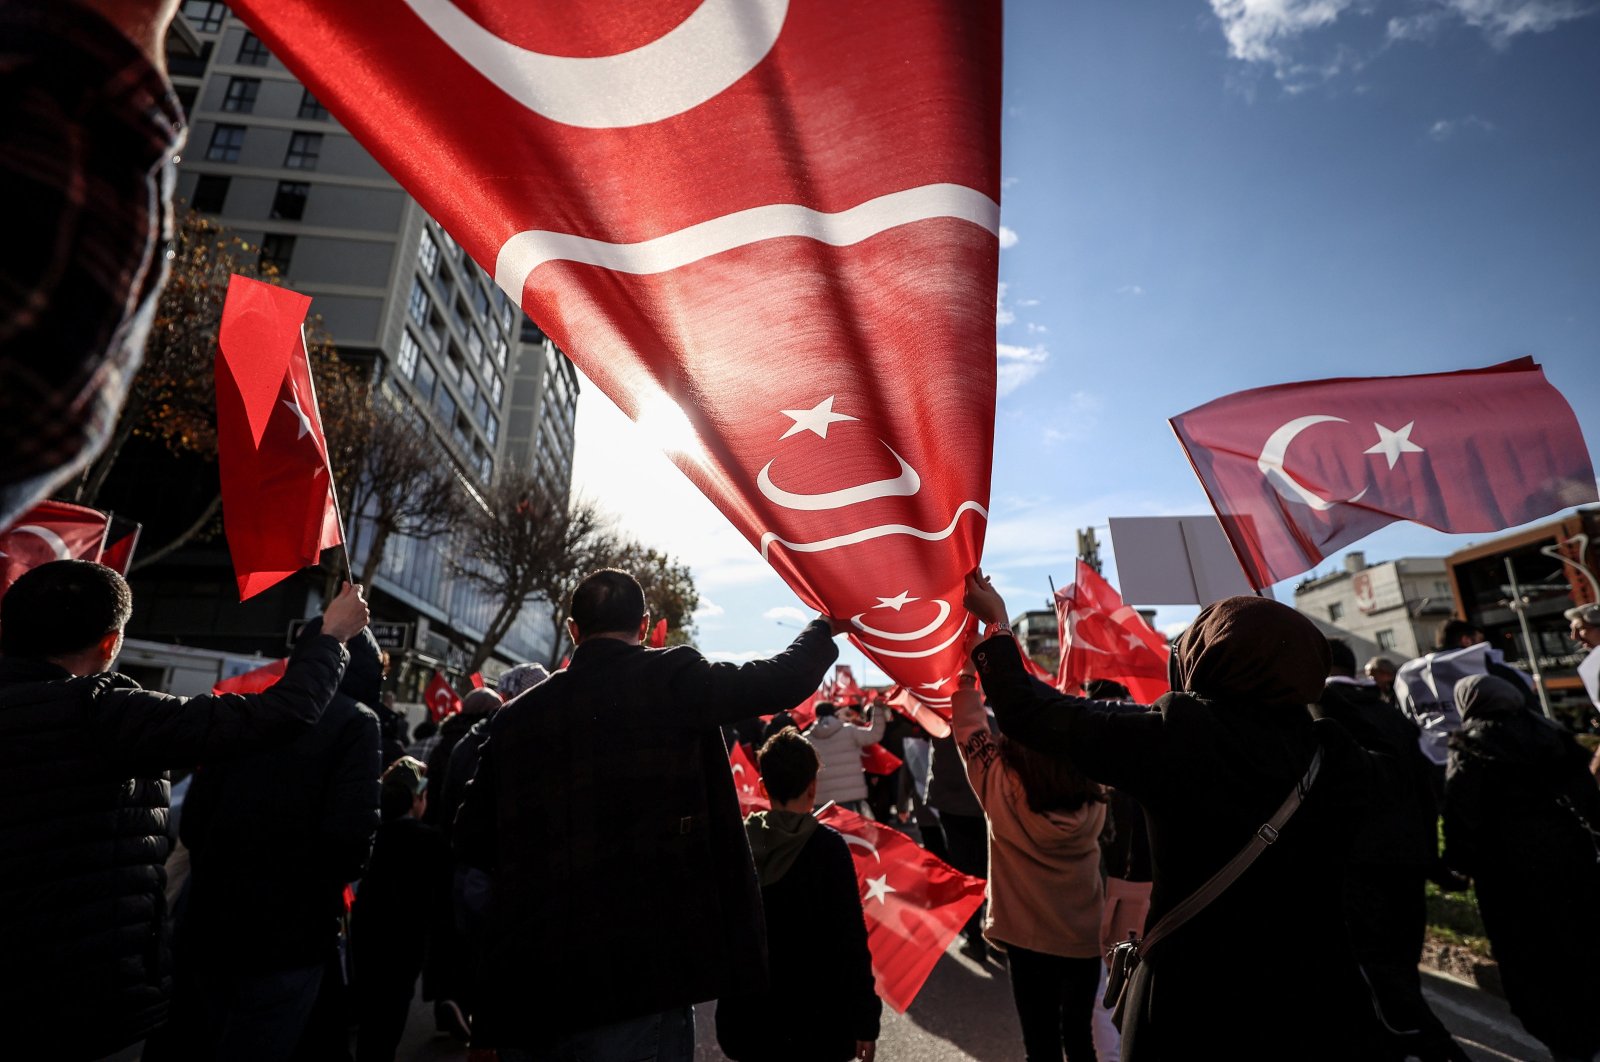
[
  {"x": 1520, "y": 811},
  {"x": 1045, "y": 889},
  {"x": 839, "y": 744},
  {"x": 275, "y": 836},
  {"x": 1210, "y": 763},
  {"x": 821, "y": 1000}
]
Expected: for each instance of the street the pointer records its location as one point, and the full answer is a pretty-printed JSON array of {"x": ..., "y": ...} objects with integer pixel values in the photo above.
[{"x": 965, "y": 1012}]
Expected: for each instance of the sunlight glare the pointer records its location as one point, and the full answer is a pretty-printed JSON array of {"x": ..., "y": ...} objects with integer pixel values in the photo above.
[{"x": 665, "y": 426}]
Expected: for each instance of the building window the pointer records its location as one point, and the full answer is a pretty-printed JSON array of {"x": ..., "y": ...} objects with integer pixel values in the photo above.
[
  {"x": 303, "y": 151},
  {"x": 289, "y": 204},
  {"x": 252, "y": 52},
  {"x": 1336, "y": 611},
  {"x": 506, "y": 316},
  {"x": 418, "y": 305},
  {"x": 1386, "y": 639},
  {"x": 496, "y": 389},
  {"x": 310, "y": 108},
  {"x": 452, "y": 362},
  {"x": 482, "y": 409},
  {"x": 428, "y": 254},
  {"x": 445, "y": 404},
  {"x": 501, "y": 352},
  {"x": 241, "y": 95},
  {"x": 410, "y": 349},
  {"x": 425, "y": 379},
  {"x": 491, "y": 428},
  {"x": 436, "y": 331},
  {"x": 276, "y": 250},
  {"x": 226, "y": 140},
  {"x": 205, "y": 15},
  {"x": 469, "y": 390},
  {"x": 210, "y": 193},
  {"x": 475, "y": 348}
]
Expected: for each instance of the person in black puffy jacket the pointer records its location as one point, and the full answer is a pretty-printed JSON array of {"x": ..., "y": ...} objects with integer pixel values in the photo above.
[
  {"x": 84, "y": 793},
  {"x": 273, "y": 837}
]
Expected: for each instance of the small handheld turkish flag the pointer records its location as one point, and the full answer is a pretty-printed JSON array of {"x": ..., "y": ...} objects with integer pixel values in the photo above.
[
  {"x": 745, "y": 777},
  {"x": 476, "y": 678},
  {"x": 441, "y": 697},
  {"x": 262, "y": 678},
  {"x": 914, "y": 903},
  {"x": 844, "y": 689},
  {"x": 50, "y": 531},
  {"x": 278, "y": 510},
  {"x": 1102, "y": 638},
  {"x": 875, "y": 759},
  {"x": 1297, "y": 471},
  {"x": 122, "y": 539},
  {"x": 658, "y": 635},
  {"x": 929, "y": 707}
]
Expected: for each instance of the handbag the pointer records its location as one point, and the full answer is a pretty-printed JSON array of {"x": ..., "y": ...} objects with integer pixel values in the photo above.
[{"x": 1125, "y": 958}]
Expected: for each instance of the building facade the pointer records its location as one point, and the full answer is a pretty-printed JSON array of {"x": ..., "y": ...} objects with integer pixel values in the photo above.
[
  {"x": 395, "y": 293},
  {"x": 1395, "y": 605}
]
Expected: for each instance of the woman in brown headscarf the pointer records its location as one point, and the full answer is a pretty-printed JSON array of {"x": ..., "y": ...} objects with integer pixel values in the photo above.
[{"x": 1264, "y": 971}]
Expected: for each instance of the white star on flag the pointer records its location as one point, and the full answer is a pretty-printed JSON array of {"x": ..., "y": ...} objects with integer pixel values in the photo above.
[
  {"x": 1391, "y": 444},
  {"x": 897, "y": 602},
  {"x": 1133, "y": 640},
  {"x": 816, "y": 419},
  {"x": 305, "y": 421},
  {"x": 878, "y": 888}
]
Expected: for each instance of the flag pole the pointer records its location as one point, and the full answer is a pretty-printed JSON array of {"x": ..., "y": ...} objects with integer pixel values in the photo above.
[{"x": 327, "y": 463}]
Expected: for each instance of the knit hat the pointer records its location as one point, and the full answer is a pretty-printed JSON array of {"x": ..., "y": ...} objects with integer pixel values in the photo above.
[
  {"x": 520, "y": 679},
  {"x": 1588, "y": 615}
]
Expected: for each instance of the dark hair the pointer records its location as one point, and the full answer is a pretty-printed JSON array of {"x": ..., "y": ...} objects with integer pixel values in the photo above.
[
  {"x": 1048, "y": 783},
  {"x": 788, "y": 764},
  {"x": 1106, "y": 690},
  {"x": 825, "y": 708},
  {"x": 400, "y": 784},
  {"x": 607, "y": 600},
  {"x": 62, "y": 607},
  {"x": 425, "y": 729},
  {"x": 1451, "y": 631},
  {"x": 778, "y": 721},
  {"x": 1344, "y": 658}
]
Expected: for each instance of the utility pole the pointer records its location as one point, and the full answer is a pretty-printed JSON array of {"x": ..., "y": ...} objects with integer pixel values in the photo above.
[
  {"x": 1089, "y": 549},
  {"x": 1520, "y": 607}
]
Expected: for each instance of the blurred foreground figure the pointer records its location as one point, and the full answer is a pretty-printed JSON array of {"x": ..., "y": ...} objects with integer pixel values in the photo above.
[
  {"x": 1520, "y": 818},
  {"x": 90, "y": 126},
  {"x": 84, "y": 796},
  {"x": 604, "y": 811}
]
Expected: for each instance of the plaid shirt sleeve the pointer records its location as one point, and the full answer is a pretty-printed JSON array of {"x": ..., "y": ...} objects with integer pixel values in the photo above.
[{"x": 90, "y": 129}]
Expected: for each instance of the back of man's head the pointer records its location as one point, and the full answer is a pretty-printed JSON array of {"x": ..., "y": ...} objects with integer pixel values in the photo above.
[
  {"x": 1453, "y": 631},
  {"x": 1344, "y": 658},
  {"x": 1101, "y": 689},
  {"x": 824, "y": 709},
  {"x": 61, "y": 608},
  {"x": 788, "y": 765},
  {"x": 608, "y": 601}
]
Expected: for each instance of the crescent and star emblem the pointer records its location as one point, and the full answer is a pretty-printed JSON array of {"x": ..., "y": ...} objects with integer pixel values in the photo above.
[
  {"x": 861, "y": 842},
  {"x": 1391, "y": 444},
  {"x": 45, "y": 535},
  {"x": 719, "y": 43}
]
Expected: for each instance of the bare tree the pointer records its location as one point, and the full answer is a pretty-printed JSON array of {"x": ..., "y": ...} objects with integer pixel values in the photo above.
[
  {"x": 524, "y": 545},
  {"x": 391, "y": 473}
]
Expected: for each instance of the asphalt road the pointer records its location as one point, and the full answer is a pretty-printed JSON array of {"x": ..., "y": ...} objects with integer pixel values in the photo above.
[{"x": 965, "y": 1012}]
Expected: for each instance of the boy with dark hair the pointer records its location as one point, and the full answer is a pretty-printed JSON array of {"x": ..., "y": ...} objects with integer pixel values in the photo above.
[{"x": 816, "y": 934}]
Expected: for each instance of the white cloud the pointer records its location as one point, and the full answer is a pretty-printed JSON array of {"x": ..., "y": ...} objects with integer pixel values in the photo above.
[
  {"x": 1036, "y": 329},
  {"x": 708, "y": 609},
  {"x": 1018, "y": 365},
  {"x": 1445, "y": 128},
  {"x": 743, "y": 657},
  {"x": 1262, "y": 31},
  {"x": 1008, "y": 238},
  {"x": 1003, "y": 314},
  {"x": 785, "y": 612},
  {"x": 1130, "y": 289},
  {"x": 1008, "y": 182},
  {"x": 1172, "y": 630},
  {"x": 1027, "y": 303},
  {"x": 1501, "y": 20}
]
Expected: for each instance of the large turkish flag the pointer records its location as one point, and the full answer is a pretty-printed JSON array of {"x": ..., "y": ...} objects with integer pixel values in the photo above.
[
  {"x": 1297, "y": 471},
  {"x": 50, "y": 531},
  {"x": 767, "y": 228}
]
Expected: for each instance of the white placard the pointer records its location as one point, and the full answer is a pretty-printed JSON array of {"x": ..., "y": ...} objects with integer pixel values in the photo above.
[{"x": 1175, "y": 560}]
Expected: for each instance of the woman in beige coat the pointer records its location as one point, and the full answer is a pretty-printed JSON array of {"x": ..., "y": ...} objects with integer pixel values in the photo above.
[{"x": 1045, "y": 892}]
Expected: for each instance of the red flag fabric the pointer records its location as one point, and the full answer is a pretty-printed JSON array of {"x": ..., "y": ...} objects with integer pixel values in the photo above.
[
  {"x": 767, "y": 230},
  {"x": 277, "y": 496},
  {"x": 441, "y": 697},
  {"x": 844, "y": 689},
  {"x": 122, "y": 539},
  {"x": 875, "y": 759},
  {"x": 1298, "y": 471},
  {"x": 476, "y": 678},
  {"x": 914, "y": 903},
  {"x": 262, "y": 678},
  {"x": 658, "y": 635},
  {"x": 50, "y": 531},
  {"x": 928, "y": 709},
  {"x": 805, "y": 713},
  {"x": 745, "y": 777},
  {"x": 1101, "y": 638}
]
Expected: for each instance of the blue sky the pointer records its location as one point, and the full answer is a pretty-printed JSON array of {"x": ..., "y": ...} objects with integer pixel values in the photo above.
[{"x": 1203, "y": 198}]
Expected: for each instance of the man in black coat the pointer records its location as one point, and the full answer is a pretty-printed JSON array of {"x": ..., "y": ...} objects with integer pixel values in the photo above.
[
  {"x": 1393, "y": 855},
  {"x": 273, "y": 837},
  {"x": 604, "y": 810},
  {"x": 84, "y": 797}
]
